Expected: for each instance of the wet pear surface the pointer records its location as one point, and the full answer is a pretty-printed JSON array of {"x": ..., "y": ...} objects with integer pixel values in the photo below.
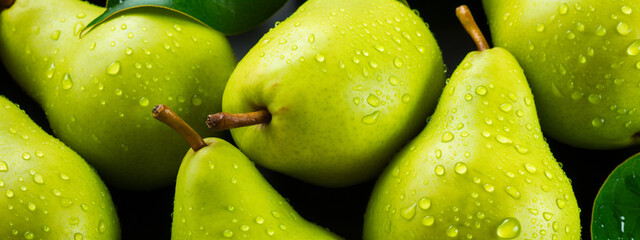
[
  {"x": 220, "y": 194},
  {"x": 346, "y": 83},
  {"x": 98, "y": 90},
  {"x": 481, "y": 168},
  {"x": 47, "y": 191},
  {"x": 582, "y": 59}
]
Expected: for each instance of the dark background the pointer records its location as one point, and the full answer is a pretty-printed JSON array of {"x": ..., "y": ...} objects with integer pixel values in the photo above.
[{"x": 147, "y": 214}]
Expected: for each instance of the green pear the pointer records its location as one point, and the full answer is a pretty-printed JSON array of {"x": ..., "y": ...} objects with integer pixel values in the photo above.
[
  {"x": 221, "y": 194},
  {"x": 581, "y": 59},
  {"x": 95, "y": 90},
  {"x": 340, "y": 86},
  {"x": 47, "y": 191},
  {"x": 481, "y": 169}
]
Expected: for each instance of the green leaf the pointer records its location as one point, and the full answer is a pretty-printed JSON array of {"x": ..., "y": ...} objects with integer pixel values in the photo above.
[
  {"x": 616, "y": 210},
  {"x": 226, "y": 16}
]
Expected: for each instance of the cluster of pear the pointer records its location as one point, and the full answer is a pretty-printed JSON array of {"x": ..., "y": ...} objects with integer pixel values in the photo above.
[{"x": 318, "y": 98}]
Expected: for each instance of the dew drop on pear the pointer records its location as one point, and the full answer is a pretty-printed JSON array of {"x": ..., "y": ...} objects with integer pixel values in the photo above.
[{"x": 509, "y": 228}]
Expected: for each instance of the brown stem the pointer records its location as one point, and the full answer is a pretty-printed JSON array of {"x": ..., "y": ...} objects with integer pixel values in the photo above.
[
  {"x": 165, "y": 115},
  {"x": 6, "y": 4},
  {"x": 469, "y": 24},
  {"x": 223, "y": 121}
]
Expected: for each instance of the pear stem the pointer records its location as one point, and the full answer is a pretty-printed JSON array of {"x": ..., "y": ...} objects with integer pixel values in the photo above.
[
  {"x": 167, "y": 116},
  {"x": 222, "y": 121},
  {"x": 464, "y": 15},
  {"x": 6, "y": 4}
]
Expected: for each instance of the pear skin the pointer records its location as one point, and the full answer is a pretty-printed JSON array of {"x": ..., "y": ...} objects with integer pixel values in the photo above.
[
  {"x": 481, "y": 169},
  {"x": 581, "y": 60},
  {"x": 47, "y": 191},
  {"x": 346, "y": 84},
  {"x": 220, "y": 194},
  {"x": 96, "y": 90}
]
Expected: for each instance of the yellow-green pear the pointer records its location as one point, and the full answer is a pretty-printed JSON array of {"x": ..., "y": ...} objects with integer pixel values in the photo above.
[
  {"x": 481, "y": 169},
  {"x": 47, "y": 191},
  {"x": 95, "y": 90},
  {"x": 582, "y": 61},
  {"x": 334, "y": 90},
  {"x": 221, "y": 195}
]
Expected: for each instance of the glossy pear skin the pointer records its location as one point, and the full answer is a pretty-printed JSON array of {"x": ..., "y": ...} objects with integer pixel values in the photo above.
[
  {"x": 97, "y": 91},
  {"x": 347, "y": 83},
  {"x": 581, "y": 59},
  {"x": 220, "y": 194},
  {"x": 47, "y": 191},
  {"x": 479, "y": 168}
]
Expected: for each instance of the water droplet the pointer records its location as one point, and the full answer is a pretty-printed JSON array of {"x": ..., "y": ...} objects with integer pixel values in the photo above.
[
  {"x": 597, "y": 122},
  {"x": 397, "y": 62},
  {"x": 63, "y": 176},
  {"x": 563, "y": 9},
  {"x": 438, "y": 153},
  {"x": 282, "y": 41},
  {"x": 379, "y": 47},
  {"x": 113, "y": 68},
  {"x": 530, "y": 168},
  {"x": 196, "y": 100},
  {"x": 561, "y": 203},
  {"x": 547, "y": 216},
  {"x": 393, "y": 80},
  {"x": 28, "y": 235},
  {"x": 37, "y": 178},
  {"x": 447, "y": 137},
  {"x": 67, "y": 82},
  {"x": 428, "y": 221},
  {"x": 623, "y": 28},
  {"x": 31, "y": 206},
  {"x": 439, "y": 170},
  {"x": 9, "y": 193},
  {"x": 259, "y": 220},
  {"x": 270, "y": 231},
  {"x": 508, "y": 228},
  {"x": 55, "y": 35},
  {"x": 143, "y": 102},
  {"x": 312, "y": 38},
  {"x": 373, "y": 100},
  {"x": 460, "y": 168},
  {"x": 626, "y": 10},
  {"x": 503, "y": 139},
  {"x": 244, "y": 228},
  {"x": 3, "y": 166},
  {"x": 319, "y": 57},
  {"x": 488, "y": 187},
  {"x": 406, "y": 98},
  {"x": 452, "y": 231},
  {"x": 481, "y": 90},
  {"x": 634, "y": 48},
  {"x": 601, "y": 31},
  {"x": 373, "y": 64},
  {"x": 26, "y": 156},
  {"x": 227, "y": 233},
  {"x": 540, "y": 27},
  {"x": 371, "y": 118},
  {"x": 424, "y": 203},
  {"x": 409, "y": 212},
  {"x": 102, "y": 227},
  {"x": 506, "y": 107},
  {"x": 513, "y": 192}
]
